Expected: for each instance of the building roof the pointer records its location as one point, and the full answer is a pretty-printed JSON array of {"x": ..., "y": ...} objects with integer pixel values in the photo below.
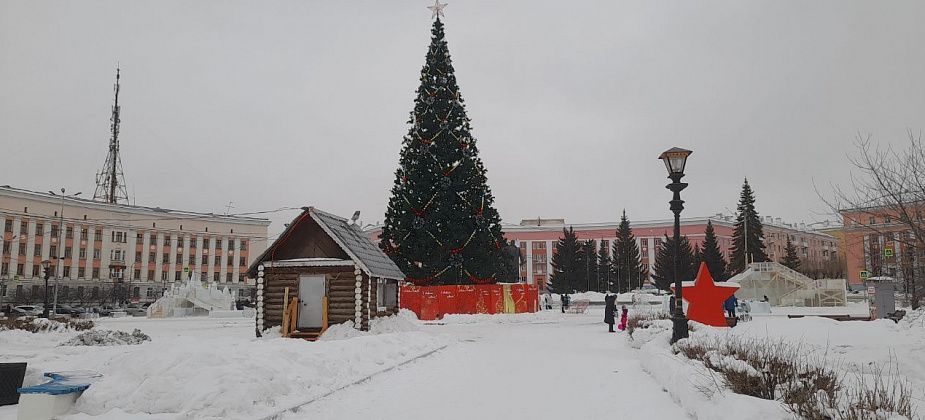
[
  {"x": 364, "y": 253},
  {"x": 128, "y": 208}
]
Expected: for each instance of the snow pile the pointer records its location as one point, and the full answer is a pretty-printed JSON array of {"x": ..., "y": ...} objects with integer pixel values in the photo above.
[
  {"x": 107, "y": 338},
  {"x": 404, "y": 321}
]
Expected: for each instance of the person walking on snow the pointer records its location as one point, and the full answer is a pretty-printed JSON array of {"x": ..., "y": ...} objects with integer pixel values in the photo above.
[
  {"x": 623, "y": 315},
  {"x": 610, "y": 309}
]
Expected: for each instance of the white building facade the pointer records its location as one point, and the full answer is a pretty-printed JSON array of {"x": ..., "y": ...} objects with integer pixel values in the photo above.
[{"x": 103, "y": 252}]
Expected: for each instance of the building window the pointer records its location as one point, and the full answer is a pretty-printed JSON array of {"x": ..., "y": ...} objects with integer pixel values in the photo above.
[
  {"x": 4, "y": 269},
  {"x": 22, "y": 249},
  {"x": 192, "y": 242},
  {"x": 23, "y": 228},
  {"x": 149, "y": 293},
  {"x": 53, "y": 250},
  {"x": 7, "y": 248},
  {"x": 54, "y": 231},
  {"x": 82, "y": 253},
  {"x": 244, "y": 246},
  {"x": 166, "y": 240},
  {"x": 37, "y": 250},
  {"x": 230, "y": 244},
  {"x": 96, "y": 273},
  {"x": 140, "y": 236},
  {"x": 242, "y": 261},
  {"x": 67, "y": 252},
  {"x": 151, "y": 257},
  {"x": 39, "y": 229},
  {"x": 872, "y": 220},
  {"x": 218, "y": 260},
  {"x": 120, "y": 237},
  {"x": 136, "y": 292},
  {"x": 216, "y": 277},
  {"x": 178, "y": 275},
  {"x": 8, "y": 226},
  {"x": 165, "y": 259},
  {"x": 181, "y": 242},
  {"x": 218, "y": 244},
  {"x": 164, "y": 275},
  {"x": 230, "y": 260},
  {"x": 138, "y": 256},
  {"x": 20, "y": 269},
  {"x": 228, "y": 277},
  {"x": 69, "y": 232},
  {"x": 35, "y": 270},
  {"x": 179, "y": 258},
  {"x": 137, "y": 274},
  {"x": 205, "y": 242},
  {"x": 98, "y": 235},
  {"x": 81, "y": 272},
  {"x": 67, "y": 271},
  {"x": 192, "y": 260},
  {"x": 204, "y": 276},
  {"x": 84, "y": 233}
]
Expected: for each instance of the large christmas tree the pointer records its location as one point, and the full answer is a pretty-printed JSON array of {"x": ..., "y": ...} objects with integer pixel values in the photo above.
[
  {"x": 566, "y": 270},
  {"x": 748, "y": 235},
  {"x": 440, "y": 226}
]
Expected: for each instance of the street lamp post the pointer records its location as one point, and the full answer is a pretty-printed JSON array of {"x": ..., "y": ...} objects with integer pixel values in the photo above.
[
  {"x": 61, "y": 241},
  {"x": 675, "y": 159},
  {"x": 46, "y": 265}
]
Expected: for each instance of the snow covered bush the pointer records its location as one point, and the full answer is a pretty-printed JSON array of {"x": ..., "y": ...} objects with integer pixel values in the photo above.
[
  {"x": 107, "y": 338},
  {"x": 643, "y": 320},
  {"x": 41, "y": 325},
  {"x": 810, "y": 387}
]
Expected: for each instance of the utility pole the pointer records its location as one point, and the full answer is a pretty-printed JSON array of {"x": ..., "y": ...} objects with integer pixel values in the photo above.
[{"x": 59, "y": 268}]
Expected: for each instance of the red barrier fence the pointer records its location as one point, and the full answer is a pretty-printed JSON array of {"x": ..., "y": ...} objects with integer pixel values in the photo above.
[{"x": 432, "y": 302}]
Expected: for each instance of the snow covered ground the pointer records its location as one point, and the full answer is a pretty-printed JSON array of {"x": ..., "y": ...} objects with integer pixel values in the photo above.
[
  {"x": 208, "y": 368},
  {"x": 524, "y": 366}
]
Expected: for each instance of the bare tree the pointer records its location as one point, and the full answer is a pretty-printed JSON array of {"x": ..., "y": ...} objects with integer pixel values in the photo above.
[{"x": 887, "y": 198}]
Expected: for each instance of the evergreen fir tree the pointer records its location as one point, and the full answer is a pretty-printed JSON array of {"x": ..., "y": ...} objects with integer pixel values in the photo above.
[
  {"x": 565, "y": 263},
  {"x": 628, "y": 270},
  {"x": 664, "y": 263},
  {"x": 711, "y": 254},
  {"x": 587, "y": 267},
  {"x": 746, "y": 220},
  {"x": 604, "y": 269},
  {"x": 791, "y": 259},
  {"x": 441, "y": 226}
]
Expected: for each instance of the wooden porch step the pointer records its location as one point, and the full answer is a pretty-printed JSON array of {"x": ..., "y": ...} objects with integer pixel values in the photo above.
[{"x": 310, "y": 334}]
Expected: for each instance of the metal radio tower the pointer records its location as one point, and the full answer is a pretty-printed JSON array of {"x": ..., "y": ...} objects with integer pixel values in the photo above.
[{"x": 110, "y": 182}]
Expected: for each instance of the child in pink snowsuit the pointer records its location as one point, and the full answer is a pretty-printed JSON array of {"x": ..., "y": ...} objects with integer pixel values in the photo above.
[{"x": 623, "y": 313}]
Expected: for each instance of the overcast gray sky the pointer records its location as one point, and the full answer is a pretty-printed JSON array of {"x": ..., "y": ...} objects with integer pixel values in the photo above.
[{"x": 287, "y": 103}]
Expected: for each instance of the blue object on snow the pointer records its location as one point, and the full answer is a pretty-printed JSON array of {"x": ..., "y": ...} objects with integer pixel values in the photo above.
[{"x": 63, "y": 383}]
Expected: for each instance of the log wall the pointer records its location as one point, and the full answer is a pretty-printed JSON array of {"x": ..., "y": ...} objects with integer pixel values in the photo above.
[{"x": 341, "y": 285}]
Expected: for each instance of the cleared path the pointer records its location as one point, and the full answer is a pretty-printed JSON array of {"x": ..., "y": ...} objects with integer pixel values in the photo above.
[{"x": 561, "y": 367}]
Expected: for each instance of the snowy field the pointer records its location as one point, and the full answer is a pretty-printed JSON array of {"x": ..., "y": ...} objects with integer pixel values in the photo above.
[{"x": 526, "y": 366}]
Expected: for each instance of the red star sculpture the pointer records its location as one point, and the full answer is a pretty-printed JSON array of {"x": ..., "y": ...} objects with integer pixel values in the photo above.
[{"x": 705, "y": 298}]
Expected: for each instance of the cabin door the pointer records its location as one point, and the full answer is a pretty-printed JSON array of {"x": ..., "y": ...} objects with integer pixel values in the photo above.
[{"x": 311, "y": 295}]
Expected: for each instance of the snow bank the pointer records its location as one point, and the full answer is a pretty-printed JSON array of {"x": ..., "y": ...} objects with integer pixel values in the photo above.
[
  {"x": 210, "y": 369},
  {"x": 693, "y": 386},
  {"x": 404, "y": 321}
]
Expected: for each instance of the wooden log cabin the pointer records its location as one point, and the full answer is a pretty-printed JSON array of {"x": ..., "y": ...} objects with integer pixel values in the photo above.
[{"x": 334, "y": 270}]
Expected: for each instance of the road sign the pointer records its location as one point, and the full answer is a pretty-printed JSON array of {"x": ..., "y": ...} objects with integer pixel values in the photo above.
[
  {"x": 887, "y": 252},
  {"x": 864, "y": 274}
]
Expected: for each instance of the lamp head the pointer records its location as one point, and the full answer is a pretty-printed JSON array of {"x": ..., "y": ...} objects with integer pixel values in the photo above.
[{"x": 675, "y": 160}]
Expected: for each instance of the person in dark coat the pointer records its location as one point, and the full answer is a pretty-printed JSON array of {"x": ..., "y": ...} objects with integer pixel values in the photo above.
[
  {"x": 671, "y": 304},
  {"x": 565, "y": 302},
  {"x": 730, "y": 306},
  {"x": 610, "y": 309}
]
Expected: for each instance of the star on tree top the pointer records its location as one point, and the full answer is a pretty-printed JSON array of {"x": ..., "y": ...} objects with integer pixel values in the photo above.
[{"x": 437, "y": 9}]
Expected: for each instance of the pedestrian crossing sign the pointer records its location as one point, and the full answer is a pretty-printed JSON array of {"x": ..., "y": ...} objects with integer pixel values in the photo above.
[
  {"x": 864, "y": 274},
  {"x": 887, "y": 252}
]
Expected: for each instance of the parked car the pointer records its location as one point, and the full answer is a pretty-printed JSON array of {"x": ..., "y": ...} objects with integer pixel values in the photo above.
[
  {"x": 136, "y": 310},
  {"x": 27, "y": 310}
]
